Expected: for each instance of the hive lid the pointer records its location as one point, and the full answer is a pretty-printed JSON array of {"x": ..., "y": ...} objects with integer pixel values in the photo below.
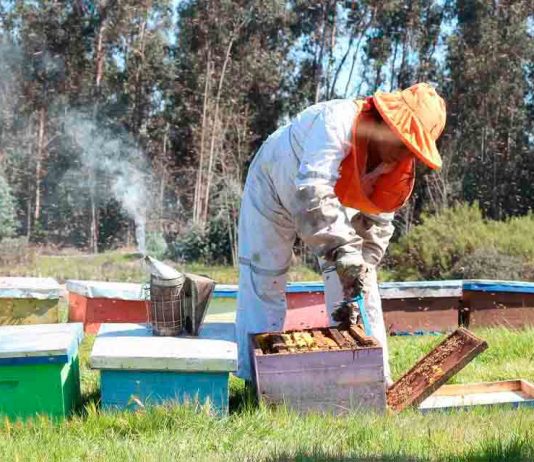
[
  {"x": 39, "y": 343},
  {"x": 132, "y": 347},
  {"x": 483, "y": 285},
  {"x": 37, "y": 288},
  {"x": 112, "y": 290}
]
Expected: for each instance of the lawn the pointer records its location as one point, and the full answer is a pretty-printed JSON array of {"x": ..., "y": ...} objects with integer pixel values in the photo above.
[
  {"x": 256, "y": 433},
  {"x": 120, "y": 265}
]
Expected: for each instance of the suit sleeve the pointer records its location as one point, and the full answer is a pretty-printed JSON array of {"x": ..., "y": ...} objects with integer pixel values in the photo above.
[{"x": 322, "y": 222}]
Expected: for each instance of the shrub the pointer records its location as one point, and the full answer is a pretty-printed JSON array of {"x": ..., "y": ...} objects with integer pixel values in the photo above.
[
  {"x": 209, "y": 246},
  {"x": 490, "y": 264},
  {"x": 460, "y": 237},
  {"x": 155, "y": 245},
  {"x": 7, "y": 210}
]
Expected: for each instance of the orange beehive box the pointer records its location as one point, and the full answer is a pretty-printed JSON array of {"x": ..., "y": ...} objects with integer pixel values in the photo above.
[{"x": 97, "y": 302}]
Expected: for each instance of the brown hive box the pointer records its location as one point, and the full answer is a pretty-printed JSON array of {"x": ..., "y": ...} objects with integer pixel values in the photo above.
[{"x": 328, "y": 370}]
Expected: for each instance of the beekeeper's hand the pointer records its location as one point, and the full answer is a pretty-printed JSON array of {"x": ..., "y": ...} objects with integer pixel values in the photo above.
[{"x": 352, "y": 272}]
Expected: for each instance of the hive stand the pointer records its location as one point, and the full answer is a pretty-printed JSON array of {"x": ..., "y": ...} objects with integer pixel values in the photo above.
[
  {"x": 28, "y": 300},
  {"x": 138, "y": 369},
  {"x": 39, "y": 369}
]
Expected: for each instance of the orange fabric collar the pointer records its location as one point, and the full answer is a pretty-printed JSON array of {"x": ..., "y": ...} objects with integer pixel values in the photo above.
[{"x": 391, "y": 190}]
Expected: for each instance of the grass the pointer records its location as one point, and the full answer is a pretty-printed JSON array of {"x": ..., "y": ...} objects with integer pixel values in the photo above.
[
  {"x": 257, "y": 433},
  {"x": 121, "y": 265}
]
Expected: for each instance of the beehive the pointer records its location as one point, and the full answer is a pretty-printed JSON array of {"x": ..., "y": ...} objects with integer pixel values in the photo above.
[
  {"x": 329, "y": 369},
  {"x": 498, "y": 303},
  {"x": 97, "y": 302},
  {"x": 138, "y": 369},
  {"x": 28, "y": 300},
  {"x": 39, "y": 369},
  {"x": 421, "y": 306}
]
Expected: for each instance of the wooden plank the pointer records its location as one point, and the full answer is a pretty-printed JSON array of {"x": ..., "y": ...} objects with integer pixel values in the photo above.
[
  {"x": 137, "y": 349},
  {"x": 350, "y": 339},
  {"x": 434, "y": 369},
  {"x": 278, "y": 344},
  {"x": 26, "y": 342},
  {"x": 482, "y": 387},
  {"x": 340, "y": 340},
  {"x": 320, "y": 340},
  {"x": 332, "y": 389},
  {"x": 138, "y": 389},
  {"x": 318, "y": 360},
  {"x": 416, "y": 314},
  {"x": 527, "y": 387},
  {"x": 358, "y": 333}
]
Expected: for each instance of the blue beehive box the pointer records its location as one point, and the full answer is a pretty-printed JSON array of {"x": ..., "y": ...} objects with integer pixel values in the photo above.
[{"x": 138, "y": 369}]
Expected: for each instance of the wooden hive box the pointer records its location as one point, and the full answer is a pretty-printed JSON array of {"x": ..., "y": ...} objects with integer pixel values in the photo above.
[
  {"x": 341, "y": 375},
  {"x": 39, "y": 369},
  {"x": 97, "y": 302},
  {"x": 305, "y": 304},
  {"x": 138, "y": 369},
  {"x": 421, "y": 306},
  {"x": 28, "y": 300},
  {"x": 498, "y": 303}
]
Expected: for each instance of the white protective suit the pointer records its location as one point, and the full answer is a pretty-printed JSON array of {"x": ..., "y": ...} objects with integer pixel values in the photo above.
[{"x": 290, "y": 191}]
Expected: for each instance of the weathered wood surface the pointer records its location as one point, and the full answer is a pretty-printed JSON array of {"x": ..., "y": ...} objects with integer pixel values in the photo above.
[
  {"x": 132, "y": 347},
  {"x": 109, "y": 290},
  {"x": 495, "y": 309},
  {"x": 434, "y": 369},
  {"x": 139, "y": 389},
  {"x": 36, "y": 288},
  {"x": 333, "y": 381},
  {"x": 517, "y": 392},
  {"x": 40, "y": 340},
  {"x": 366, "y": 340},
  {"x": 421, "y": 314}
]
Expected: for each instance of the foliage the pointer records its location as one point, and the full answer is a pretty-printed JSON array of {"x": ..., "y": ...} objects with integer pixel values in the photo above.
[
  {"x": 7, "y": 210},
  {"x": 459, "y": 237},
  {"x": 156, "y": 245},
  {"x": 194, "y": 88},
  {"x": 15, "y": 251},
  {"x": 210, "y": 246}
]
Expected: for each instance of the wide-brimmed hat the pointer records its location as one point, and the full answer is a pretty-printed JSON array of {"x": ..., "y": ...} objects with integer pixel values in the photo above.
[{"x": 417, "y": 116}]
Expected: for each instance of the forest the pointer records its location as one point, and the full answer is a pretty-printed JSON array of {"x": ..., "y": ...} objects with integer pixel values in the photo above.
[{"x": 128, "y": 123}]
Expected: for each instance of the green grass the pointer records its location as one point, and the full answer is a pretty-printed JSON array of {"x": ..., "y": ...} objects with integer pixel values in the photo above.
[
  {"x": 123, "y": 266},
  {"x": 265, "y": 434},
  {"x": 258, "y": 433}
]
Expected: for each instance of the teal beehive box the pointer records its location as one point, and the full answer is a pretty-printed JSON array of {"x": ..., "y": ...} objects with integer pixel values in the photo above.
[
  {"x": 39, "y": 370},
  {"x": 138, "y": 369}
]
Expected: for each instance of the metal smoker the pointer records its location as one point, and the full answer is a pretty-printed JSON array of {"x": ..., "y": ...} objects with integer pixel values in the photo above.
[{"x": 176, "y": 302}]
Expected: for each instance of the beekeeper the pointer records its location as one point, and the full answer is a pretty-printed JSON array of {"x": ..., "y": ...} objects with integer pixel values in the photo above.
[{"x": 333, "y": 176}]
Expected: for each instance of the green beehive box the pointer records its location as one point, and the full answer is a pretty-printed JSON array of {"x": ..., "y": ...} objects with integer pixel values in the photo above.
[{"x": 39, "y": 370}]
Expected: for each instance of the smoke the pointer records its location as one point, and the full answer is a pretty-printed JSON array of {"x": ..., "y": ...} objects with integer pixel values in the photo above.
[{"x": 113, "y": 166}]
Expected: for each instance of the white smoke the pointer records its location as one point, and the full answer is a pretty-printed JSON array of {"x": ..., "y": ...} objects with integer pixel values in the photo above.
[{"x": 113, "y": 165}]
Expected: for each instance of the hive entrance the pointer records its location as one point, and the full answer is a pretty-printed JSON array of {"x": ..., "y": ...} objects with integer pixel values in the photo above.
[{"x": 308, "y": 340}]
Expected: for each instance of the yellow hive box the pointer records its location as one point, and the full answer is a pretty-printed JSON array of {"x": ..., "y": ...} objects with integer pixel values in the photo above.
[{"x": 29, "y": 300}]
